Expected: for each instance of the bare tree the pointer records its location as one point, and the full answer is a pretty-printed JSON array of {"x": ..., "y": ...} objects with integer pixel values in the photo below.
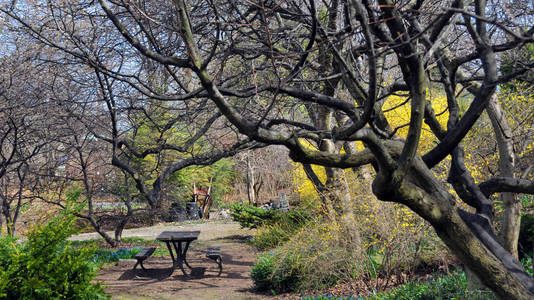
[
  {"x": 261, "y": 63},
  {"x": 267, "y": 174},
  {"x": 416, "y": 43},
  {"x": 119, "y": 102},
  {"x": 24, "y": 130}
]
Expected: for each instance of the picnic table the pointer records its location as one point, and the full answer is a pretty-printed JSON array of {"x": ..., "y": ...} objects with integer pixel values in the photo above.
[{"x": 179, "y": 240}]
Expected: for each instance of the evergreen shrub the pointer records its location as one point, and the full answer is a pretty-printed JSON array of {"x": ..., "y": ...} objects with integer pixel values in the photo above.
[
  {"x": 267, "y": 274},
  {"x": 46, "y": 266}
]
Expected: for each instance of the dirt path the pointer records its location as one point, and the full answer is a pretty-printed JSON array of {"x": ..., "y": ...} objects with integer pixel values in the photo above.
[{"x": 155, "y": 283}]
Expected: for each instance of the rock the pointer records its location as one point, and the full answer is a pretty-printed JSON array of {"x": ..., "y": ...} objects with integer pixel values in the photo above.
[{"x": 225, "y": 214}]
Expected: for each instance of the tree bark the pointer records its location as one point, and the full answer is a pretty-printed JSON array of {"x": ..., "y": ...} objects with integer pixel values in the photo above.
[
  {"x": 250, "y": 182},
  {"x": 112, "y": 242},
  {"x": 512, "y": 205},
  {"x": 119, "y": 228},
  {"x": 468, "y": 235}
]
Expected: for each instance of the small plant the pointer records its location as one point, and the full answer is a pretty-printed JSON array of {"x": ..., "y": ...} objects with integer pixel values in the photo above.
[
  {"x": 109, "y": 256},
  {"x": 261, "y": 272},
  {"x": 527, "y": 201},
  {"x": 331, "y": 297},
  {"x": 267, "y": 274},
  {"x": 528, "y": 265},
  {"x": 46, "y": 266},
  {"x": 453, "y": 286}
]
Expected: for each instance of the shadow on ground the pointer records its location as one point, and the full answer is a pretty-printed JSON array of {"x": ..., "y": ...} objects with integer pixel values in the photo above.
[{"x": 157, "y": 281}]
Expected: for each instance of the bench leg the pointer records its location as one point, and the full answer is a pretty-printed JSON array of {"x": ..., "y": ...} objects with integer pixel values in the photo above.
[
  {"x": 219, "y": 262},
  {"x": 139, "y": 262}
]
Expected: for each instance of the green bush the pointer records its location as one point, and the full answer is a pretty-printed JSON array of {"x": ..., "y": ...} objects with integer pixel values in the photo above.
[
  {"x": 267, "y": 275},
  {"x": 252, "y": 217},
  {"x": 271, "y": 236},
  {"x": 262, "y": 271},
  {"x": 331, "y": 297},
  {"x": 7, "y": 243},
  {"x": 453, "y": 286},
  {"x": 46, "y": 266},
  {"x": 249, "y": 216},
  {"x": 283, "y": 227},
  {"x": 528, "y": 264}
]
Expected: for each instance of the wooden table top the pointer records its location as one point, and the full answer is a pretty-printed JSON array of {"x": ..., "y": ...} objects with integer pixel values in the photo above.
[{"x": 178, "y": 236}]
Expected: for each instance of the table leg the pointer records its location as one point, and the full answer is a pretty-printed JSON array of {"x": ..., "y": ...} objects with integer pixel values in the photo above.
[
  {"x": 170, "y": 251},
  {"x": 172, "y": 258},
  {"x": 180, "y": 256},
  {"x": 185, "y": 254}
]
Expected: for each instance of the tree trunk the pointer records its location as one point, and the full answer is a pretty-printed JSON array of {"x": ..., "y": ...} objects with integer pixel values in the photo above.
[
  {"x": 6, "y": 211},
  {"x": 467, "y": 235},
  {"x": 119, "y": 228},
  {"x": 491, "y": 271},
  {"x": 350, "y": 148},
  {"x": 512, "y": 205},
  {"x": 250, "y": 182},
  {"x": 337, "y": 192},
  {"x": 102, "y": 233}
]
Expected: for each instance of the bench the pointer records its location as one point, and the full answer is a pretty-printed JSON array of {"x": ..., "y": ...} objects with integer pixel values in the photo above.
[
  {"x": 142, "y": 255},
  {"x": 215, "y": 254}
]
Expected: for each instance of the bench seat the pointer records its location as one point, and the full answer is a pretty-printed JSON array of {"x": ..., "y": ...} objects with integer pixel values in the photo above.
[
  {"x": 215, "y": 254},
  {"x": 142, "y": 255}
]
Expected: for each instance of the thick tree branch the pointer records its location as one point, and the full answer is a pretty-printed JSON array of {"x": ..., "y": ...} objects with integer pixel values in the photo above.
[{"x": 506, "y": 184}]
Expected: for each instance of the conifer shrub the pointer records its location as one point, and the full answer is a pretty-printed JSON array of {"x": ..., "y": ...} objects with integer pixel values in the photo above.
[
  {"x": 249, "y": 216},
  {"x": 46, "y": 266},
  {"x": 252, "y": 217}
]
